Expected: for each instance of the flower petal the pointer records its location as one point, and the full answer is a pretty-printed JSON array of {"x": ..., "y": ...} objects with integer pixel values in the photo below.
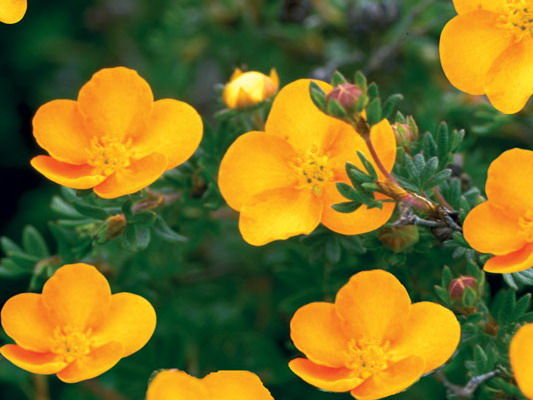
[
  {"x": 394, "y": 379},
  {"x": 346, "y": 143},
  {"x": 131, "y": 321},
  {"x": 488, "y": 230},
  {"x": 360, "y": 221},
  {"x": 140, "y": 174},
  {"x": 374, "y": 305},
  {"x": 116, "y": 102},
  {"x": 12, "y": 11},
  {"x": 279, "y": 214},
  {"x": 25, "y": 320},
  {"x": 174, "y": 129},
  {"x": 230, "y": 385},
  {"x": 510, "y": 81},
  {"x": 464, "y": 6},
  {"x": 254, "y": 163},
  {"x": 325, "y": 378},
  {"x": 172, "y": 384},
  {"x": 509, "y": 182},
  {"x": 432, "y": 333},
  {"x": 316, "y": 331},
  {"x": 513, "y": 262},
  {"x": 69, "y": 175},
  {"x": 37, "y": 363},
  {"x": 296, "y": 119},
  {"x": 58, "y": 128},
  {"x": 77, "y": 295},
  {"x": 521, "y": 356},
  {"x": 100, "y": 360},
  {"x": 469, "y": 45}
]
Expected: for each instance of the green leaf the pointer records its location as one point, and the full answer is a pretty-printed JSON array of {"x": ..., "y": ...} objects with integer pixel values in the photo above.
[
  {"x": 136, "y": 237},
  {"x": 317, "y": 95},
  {"x": 360, "y": 80},
  {"x": 447, "y": 277},
  {"x": 9, "y": 246},
  {"x": 334, "y": 108},
  {"x": 390, "y": 108},
  {"x": 34, "y": 243},
  {"x": 89, "y": 210},
  {"x": 373, "y": 91},
  {"x": 356, "y": 175},
  {"x": 481, "y": 360},
  {"x": 346, "y": 207},
  {"x": 162, "y": 230},
  {"x": 338, "y": 79},
  {"x": 368, "y": 166},
  {"x": 374, "y": 113}
]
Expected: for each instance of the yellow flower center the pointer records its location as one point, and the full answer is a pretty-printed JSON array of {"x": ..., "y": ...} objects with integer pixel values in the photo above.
[
  {"x": 108, "y": 155},
  {"x": 366, "y": 358},
  {"x": 313, "y": 171},
  {"x": 71, "y": 344},
  {"x": 526, "y": 226},
  {"x": 518, "y": 18}
]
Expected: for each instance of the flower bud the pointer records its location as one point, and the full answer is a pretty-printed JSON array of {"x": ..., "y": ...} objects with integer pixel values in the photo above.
[
  {"x": 399, "y": 238},
  {"x": 346, "y": 94},
  {"x": 458, "y": 285},
  {"x": 114, "y": 226},
  {"x": 246, "y": 89},
  {"x": 405, "y": 135}
]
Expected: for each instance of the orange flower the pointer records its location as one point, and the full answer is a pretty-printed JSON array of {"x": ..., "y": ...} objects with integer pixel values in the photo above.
[
  {"x": 246, "y": 89},
  {"x": 521, "y": 356},
  {"x": 372, "y": 342},
  {"x": 503, "y": 225},
  {"x": 223, "y": 385},
  {"x": 488, "y": 49},
  {"x": 114, "y": 138},
  {"x": 12, "y": 11},
  {"x": 282, "y": 181},
  {"x": 75, "y": 328}
]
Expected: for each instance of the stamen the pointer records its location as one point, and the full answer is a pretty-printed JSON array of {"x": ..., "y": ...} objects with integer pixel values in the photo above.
[
  {"x": 518, "y": 18},
  {"x": 71, "y": 344},
  {"x": 313, "y": 171},
  {"x": 366, "y": 358},
  {"x": 108, "y": 155}
]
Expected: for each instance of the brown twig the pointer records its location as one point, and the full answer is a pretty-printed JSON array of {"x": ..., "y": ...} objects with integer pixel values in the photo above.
[
  {"x": 466, "y": 391},
  {"x": 105, "y": 393},
  {"x": 40, "y": 383}
]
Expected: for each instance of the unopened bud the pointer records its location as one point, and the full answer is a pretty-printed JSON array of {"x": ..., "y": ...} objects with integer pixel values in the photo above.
[
  {"x": 346, "y": 94},
  {"x": 399, "y": 238},
  {"x": 458, "y": 286},
  {"x": 114, "y": 226},
  {"x": 404, "y": 135}
]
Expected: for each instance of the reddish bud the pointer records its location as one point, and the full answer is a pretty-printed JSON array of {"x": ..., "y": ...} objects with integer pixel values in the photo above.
[
  {"x": 405, "y": 135},
  {"x": 115, "y": 226},
  {"x": 458, "y": 285},
  {"x": 346, "y": 94}
]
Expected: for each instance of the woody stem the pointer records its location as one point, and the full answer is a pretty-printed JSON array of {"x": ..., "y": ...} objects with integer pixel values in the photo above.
[{"x": 40, "y": 383}]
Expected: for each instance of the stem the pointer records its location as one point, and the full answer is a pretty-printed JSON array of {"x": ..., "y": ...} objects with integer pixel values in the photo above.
[
  {"x": 467, "y": 391},
  {"x": 378, "y": 162},
  {"x": 95, "y": 387},
  {"x": 42, "y": 391}
]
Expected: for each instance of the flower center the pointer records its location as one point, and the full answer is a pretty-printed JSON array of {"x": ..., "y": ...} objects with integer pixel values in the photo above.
[
  {"x": 71, "y": 344},
  {"x": 518, "y": 18},
  {"x": 366, "y": 357},
  {"x": 526, "y": 226},
  {"x": 313, "y": 171},
  {"x": 108, "y": 155}
]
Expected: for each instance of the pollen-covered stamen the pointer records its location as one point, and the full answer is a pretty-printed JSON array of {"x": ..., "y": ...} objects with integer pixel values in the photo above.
[
  {"x": 518, "y": 18},
  {"x": 108, "y": 155},
  {"x": 313, "y": 171},
  {"x": 526, "y": 226},
  {"x": 366, "y": 358},
  {"x": 71, "y": 344}
]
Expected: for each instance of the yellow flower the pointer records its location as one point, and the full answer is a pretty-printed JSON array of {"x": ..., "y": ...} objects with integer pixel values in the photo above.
[
  {"x": 114, "y": 138},
  {"x": 503, "y": 225},
  {"x": 246, "y": 89},
  {"x": 223, "y": 385},
  {"x": 282, "y": 180},
  {"x": 75, "y": 328},
  {"x": 521, "y": 356},
  {"x": 372, "y": 341},
  {"x": 488, "y": 49},
  {"x": 12, "y": 11}
]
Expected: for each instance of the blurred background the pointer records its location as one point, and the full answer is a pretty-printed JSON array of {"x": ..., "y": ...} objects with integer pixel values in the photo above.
[{"x": 223, "y": 304}]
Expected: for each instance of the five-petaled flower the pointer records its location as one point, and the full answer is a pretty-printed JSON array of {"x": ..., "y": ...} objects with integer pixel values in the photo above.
[
  {"x": 503, "y": 225},
  {"x": 12, "y": 11},
  {"x": 372, "y": 341},
  {"x": 521, "y": 357},
  {"x": 223, "y": 385},
  {"x": 75, "y": 328},
  {"x": 114, "y": 138},
  {"x": 246, "y": 89},
  {"x": 282, "y": 180},
  {"x": 488, "y": 49}
]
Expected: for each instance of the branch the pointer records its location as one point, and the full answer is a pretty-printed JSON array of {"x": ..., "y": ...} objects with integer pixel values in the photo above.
[{"x": 467, "y": 391}]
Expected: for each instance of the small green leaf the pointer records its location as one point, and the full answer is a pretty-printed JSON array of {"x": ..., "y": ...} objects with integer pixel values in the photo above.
[
  {"x": 360, "y": 80},
  {"x": 346, "y": 207},
  {"x": 373, "y": 112},
  {"x": 34, "y": 243},
  {"x": 368, "y": 166},
  {"x": 317, "y": 95},
  {"x": 162, "y": 230},
  {"x": 338, "y": 79},
  {"x": 390, "y": 108}
]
